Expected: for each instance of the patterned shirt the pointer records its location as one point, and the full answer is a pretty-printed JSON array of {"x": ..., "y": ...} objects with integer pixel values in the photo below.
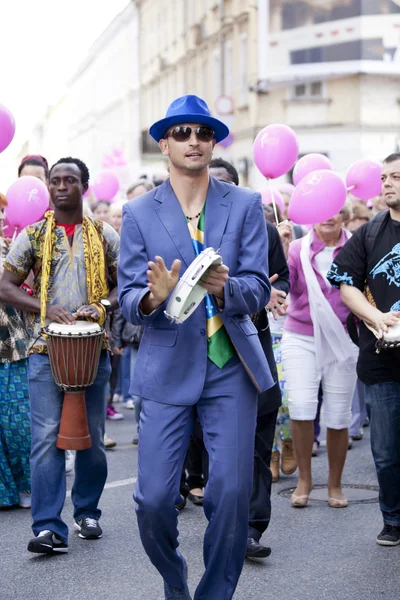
[
  {"x": 67, "y": 273},
  {"x": 13, "y": 335}
]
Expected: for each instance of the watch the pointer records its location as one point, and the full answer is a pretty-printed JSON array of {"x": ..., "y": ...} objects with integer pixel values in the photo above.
[{"x": 107, "y": 305}]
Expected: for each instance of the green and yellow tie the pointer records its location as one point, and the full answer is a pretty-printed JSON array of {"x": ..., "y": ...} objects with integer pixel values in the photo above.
[{"x": 220, "y": 348}]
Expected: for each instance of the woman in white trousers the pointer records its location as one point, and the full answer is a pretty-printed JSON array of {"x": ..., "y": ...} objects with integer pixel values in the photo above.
[{"x": 316, "y": 349}]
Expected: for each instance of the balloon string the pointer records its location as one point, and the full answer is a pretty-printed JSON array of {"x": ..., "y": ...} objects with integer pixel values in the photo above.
[
  {"x": 351, "y": 188},
  {"x": 273, "y": 202},
  {"x": 15, "y": 234}
]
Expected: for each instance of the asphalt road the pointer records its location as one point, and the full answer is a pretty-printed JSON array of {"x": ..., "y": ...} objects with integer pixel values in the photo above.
[{"x": 317, "y": 553}]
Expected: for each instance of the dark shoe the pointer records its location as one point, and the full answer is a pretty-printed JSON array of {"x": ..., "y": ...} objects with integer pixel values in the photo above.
[
  {"x": 135, "y": 440},
  {"x": 171, "y": 593},
  {"x": 256, "y": 550},
  {"x": 389, "y": 536},
  {"x": 89, "y": 529},
  {"x": 181, "y": 504},
  {"x": 197, "y": 500},
  {"x": 47, "y": 542}
]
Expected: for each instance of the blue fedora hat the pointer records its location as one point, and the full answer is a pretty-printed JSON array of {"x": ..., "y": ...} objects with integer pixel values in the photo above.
[{"x": 188, "y": 109}]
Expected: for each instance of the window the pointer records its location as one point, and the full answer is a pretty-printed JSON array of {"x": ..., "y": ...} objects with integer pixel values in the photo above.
[
  {"x": 308, "y": 90},
  {"x": 217, "y": 73},
  {"x": 228, "y": 69},
  {"x": 298, "y": 13},
  {"x": 204, "y": 78},
  {"x": 356, "y": 50},
  {"x": 243, "y": 76}
]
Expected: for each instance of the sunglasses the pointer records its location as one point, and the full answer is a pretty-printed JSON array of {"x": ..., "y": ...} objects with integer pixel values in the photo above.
[{"x": 183, "y": 132}]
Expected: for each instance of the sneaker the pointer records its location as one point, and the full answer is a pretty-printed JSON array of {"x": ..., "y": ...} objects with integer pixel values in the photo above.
[
  {"x": 69, "y": 461},
  {"x": 350, "y": 443},
  {"x": 108, "y": 442},
  {"x": 135, "y": 440},
  {"x": 113, "y": 414},
  {"x": 389, "y": 536},
  {"x": 116, "y": 398},
  {"x": 274, "y": 465},
  {"x": 89, "y": 529},
  {"x": 129, "y": 404},
  {"x": 47, "y": 542},
  {"x": 315, "y": 449},
  {"x": 24, "y": 499},
  {"x": 289, "y": 464}
]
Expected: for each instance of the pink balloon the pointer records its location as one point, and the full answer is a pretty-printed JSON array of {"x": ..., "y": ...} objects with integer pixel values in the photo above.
[
  {"x": 7, "y": 127},
  {"x": 106, "y": 186},
  {"x": 365, "y": 176},
  {"x": 275, "y": 150},
  {"x": 266, "y": 198},
  {"x": 309, "y": 163},
  {"x": 318, "y": 197},
  {"x": 286, "y": 188},
  {"x": 28, "y": 199}
]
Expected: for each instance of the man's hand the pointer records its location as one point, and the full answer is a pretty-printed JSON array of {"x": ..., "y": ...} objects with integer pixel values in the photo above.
[
  {"x": 87, "y": 310},
  {"x": 60, "y": 314},
  {"x": 383, "y": 321},
  {"x": 277, "y": 304},
  {"x": 215, "y": 279},
  {"x": 161, "y": 281},
  {"x": 117, "y": 351}
]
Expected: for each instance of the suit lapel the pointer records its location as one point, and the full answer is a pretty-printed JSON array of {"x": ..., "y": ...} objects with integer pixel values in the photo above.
[
  {"x": 218, "y": 207},
  {"x": 170, "y": 214}
]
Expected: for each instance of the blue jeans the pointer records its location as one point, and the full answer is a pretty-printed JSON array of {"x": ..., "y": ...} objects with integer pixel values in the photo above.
[
  {"x": 48, "y": 461},
  {"x": 383, "y": 407},
  {"x": 137, "y": 401}
]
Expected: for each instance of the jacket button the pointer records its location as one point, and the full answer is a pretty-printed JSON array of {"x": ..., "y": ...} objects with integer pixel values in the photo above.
[{"x": 202, "y": 331}]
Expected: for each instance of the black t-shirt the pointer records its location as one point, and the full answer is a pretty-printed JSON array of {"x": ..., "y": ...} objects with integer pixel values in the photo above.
[{"x": 371, "y": 258}]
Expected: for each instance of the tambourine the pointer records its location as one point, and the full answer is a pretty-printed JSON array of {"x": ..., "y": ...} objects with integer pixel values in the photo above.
[{"x": 188, "y": 293}]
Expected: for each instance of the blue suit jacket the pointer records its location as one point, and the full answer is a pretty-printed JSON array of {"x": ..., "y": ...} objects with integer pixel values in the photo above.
[{"x": 172, "y": 359}]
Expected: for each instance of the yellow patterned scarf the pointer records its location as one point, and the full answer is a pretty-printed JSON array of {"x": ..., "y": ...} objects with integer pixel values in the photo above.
[{"x": 96, "y": 278}]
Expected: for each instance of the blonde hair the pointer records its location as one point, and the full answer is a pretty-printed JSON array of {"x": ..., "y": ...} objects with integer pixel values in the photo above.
[
  {"x": 3, "y": 201},
  {"x": 346, "y": 212},
  {"x": 116, "y": 208}
]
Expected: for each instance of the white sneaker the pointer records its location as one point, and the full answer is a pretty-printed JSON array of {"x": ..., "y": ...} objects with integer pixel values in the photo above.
[
  {"x": 116, "y": 398},
  {"x": 24, "y": 500},
  {"x": 129, "y": 404},
  {"x": 69, "y": 461}
]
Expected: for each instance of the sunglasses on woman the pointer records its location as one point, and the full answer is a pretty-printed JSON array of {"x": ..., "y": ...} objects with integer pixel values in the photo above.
[{"x": 183, "y": 132}]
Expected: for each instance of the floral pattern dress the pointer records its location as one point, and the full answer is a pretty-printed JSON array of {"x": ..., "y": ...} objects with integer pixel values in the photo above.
[{"x": 15, "y": 435}]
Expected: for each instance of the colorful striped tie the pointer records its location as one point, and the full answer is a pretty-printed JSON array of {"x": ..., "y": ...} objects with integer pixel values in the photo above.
[{"x": 220, "y": 348}]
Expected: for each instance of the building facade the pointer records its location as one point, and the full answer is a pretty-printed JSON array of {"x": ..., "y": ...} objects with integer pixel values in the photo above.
[
  {"x": 328, "y": 68},
  {"x": 98, "y": 119}
]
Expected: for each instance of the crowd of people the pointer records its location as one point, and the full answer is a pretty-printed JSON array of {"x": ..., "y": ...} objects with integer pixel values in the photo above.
[{"x": 294, "y": 332}]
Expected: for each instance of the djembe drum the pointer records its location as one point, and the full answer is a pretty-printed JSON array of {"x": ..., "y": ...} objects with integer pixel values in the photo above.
[{"x": 74, "y": 353}]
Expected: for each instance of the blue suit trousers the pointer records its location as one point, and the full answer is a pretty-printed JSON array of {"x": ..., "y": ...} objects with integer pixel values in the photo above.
[{"x": 227, "y": 412}]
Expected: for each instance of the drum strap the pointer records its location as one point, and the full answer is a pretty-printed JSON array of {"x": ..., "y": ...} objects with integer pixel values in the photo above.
[
  {"x": 220, "y": 348},
  {"x": 95, "y": 263}
]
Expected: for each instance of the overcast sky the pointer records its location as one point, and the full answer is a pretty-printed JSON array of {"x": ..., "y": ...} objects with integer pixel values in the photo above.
[{"x": 42, "y": 42}]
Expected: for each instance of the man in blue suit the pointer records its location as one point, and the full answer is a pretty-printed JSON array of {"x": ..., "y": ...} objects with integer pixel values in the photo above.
[{"x": 214, "y": 363}]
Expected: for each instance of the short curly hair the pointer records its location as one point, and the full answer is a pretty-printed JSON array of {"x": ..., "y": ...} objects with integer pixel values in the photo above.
[{"x": 79, "y": 163}]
